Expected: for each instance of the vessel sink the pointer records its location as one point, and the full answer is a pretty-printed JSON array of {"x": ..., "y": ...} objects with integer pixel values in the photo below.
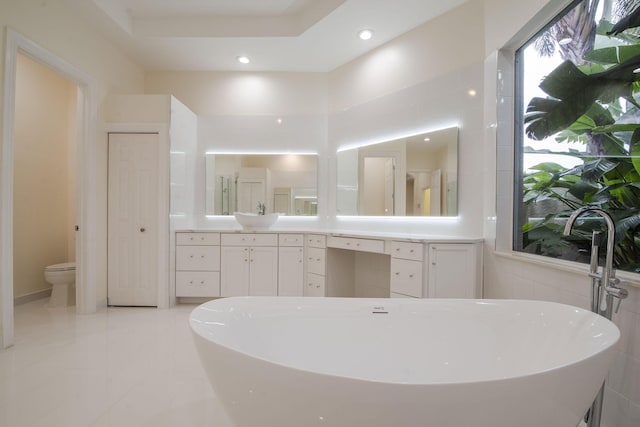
[{"x": 251, "y": 221}]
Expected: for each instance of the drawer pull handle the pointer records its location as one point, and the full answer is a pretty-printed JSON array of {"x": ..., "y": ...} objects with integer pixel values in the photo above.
[
  {"x": 397, "y": 273},
  {"x": 411, "y": 276},
  {"x": 190, "y": 256},
  {"x": 202, "y": 282},
  {"x": 191, "y": 282},
  {"x": 411, "y": 251}
]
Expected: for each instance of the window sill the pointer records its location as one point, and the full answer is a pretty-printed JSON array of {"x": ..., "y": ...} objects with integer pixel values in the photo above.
[{"x": 627, "y": 278}]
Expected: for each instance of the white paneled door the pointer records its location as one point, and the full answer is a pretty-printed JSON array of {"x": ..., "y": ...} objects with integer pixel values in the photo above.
[{"x": 133, "y": 219}]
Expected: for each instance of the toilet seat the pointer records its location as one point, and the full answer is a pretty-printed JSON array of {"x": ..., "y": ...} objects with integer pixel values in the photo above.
[{"x": 65, "y": 266}]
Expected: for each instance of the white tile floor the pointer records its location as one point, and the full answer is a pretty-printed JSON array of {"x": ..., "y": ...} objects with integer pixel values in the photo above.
[{"x": 120, "y": 367}]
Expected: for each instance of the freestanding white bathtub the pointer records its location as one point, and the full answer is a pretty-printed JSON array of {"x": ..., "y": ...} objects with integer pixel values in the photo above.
[{"x": 303, "y": 362}]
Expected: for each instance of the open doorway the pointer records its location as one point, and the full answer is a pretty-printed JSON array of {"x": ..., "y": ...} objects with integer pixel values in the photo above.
[
  {"x": 44, "y": 184},
  {"x": 86, "y": 166}
]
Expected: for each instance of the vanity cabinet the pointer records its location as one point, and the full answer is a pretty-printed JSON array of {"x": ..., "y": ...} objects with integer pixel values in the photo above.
[
  {"x": 357, "y": 244},
  {"x": 197, "y": 264},
  {"x": 407, "y": 269},
  {"x": 290, "y": 264},
  {"x": 444, "y": 270},
  {"x": 315, "y": 283},
  {"x": 454, "y": 270},
  {"x": 212, "y": 264},
  {"x": 249, "y": 265}
]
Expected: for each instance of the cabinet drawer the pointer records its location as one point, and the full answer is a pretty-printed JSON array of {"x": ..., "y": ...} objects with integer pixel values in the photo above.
[
  {"x": 249, "y": 239},
  {"x": 198, "y": 258},
  {"x": 197, "y": 238},
  {"x": 407, "y": 250},
  {"x": 406, "y": 277},
  {"x": 314, "y": 286},
  {"x": 197, "y": 284},
  {"x": 356, "y": 244},
  {"x": 316, "y": 260},
  {"x": 290, "y": 240},
  {"x": 316, "y": 241}
]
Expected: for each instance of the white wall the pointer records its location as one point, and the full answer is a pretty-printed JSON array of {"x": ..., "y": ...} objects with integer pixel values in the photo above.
[
  {"x": 507, "y": 275},
  {"x": 43, "y": 174},
  {"x": 239, "y": 112},
  {"x": 418, "y": 82},
  {"x": 58, "y": 27},
  {"x": 415, "y": 83}
]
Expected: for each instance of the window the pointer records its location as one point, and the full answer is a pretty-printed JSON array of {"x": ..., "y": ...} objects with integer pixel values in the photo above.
[{"x": 578, "y": 131}]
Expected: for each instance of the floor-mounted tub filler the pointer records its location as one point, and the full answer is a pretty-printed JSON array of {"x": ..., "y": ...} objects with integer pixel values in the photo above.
[{"x": 351, "y": 362}]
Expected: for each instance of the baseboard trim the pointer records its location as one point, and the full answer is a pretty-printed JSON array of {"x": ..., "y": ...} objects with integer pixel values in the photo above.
[
  {"x": 193, "y": 300},
  {"x": 33, "y": 296}
]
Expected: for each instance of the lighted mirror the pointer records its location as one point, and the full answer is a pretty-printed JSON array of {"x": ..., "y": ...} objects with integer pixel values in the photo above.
[
  {"x": 283, "y": 183},
  {"x": 411, "y": 176}
]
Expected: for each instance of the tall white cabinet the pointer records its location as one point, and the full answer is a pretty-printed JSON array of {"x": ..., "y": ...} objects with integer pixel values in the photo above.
[{"x": 171, "y": 192}]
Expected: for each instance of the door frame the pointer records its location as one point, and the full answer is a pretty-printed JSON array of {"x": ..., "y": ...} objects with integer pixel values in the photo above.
[{"x": 86, "y": 254}]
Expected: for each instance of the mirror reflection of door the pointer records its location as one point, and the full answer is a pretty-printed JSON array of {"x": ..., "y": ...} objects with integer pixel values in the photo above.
[
  {"x": 434, "y": 153},
  {"x": 250, "y": 193},
  {"x": 282, "y": 201},
  {"x": 424, "y": 193},
  {"x": 378, "y": 196}
]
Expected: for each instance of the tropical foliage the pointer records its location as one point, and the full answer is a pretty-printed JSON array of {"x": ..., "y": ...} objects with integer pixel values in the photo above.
[{"x": 593, "y": 98}]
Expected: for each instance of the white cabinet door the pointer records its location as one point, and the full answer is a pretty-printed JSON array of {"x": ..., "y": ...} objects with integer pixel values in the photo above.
[
  {"x": 248, "y": 270},
  {"x": 290, "y": 271},
  {"x": 263, "y": 271},
  {"x": 133, "y": 209},
  {"x": 234, "y": 271},
  {"x": 453, "y": 271}
]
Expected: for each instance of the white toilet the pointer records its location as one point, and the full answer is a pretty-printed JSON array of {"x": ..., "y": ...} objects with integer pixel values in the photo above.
[{"x": 63, "y": 278}]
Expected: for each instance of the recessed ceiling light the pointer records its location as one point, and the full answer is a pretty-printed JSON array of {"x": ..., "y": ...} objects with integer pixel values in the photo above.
[
  {"x": 472, "y": 92},
  {"x": 365, "y": 34},
  {"x": 427, "y": 139},
  {"x": 243, "y": 59}
]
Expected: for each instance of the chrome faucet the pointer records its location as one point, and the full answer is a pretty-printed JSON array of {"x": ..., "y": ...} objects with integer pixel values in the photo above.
[
  {"x": 261, "y": 208},
  {"x": 605, "y": 284},
  {"x": 604, "y": 287}
]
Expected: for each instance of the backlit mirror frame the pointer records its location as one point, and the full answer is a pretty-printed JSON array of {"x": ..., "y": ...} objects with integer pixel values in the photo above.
[
  {"x": 399, "y": 177},
  {"x": 285, "y": 182}
]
